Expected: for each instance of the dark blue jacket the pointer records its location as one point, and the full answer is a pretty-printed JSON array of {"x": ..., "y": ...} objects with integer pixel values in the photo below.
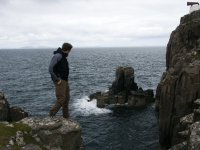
[{"x": 59, "y": 67}]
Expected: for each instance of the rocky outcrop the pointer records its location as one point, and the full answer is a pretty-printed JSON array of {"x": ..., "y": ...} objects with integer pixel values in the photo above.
[
  {"x": 41, "y": 133},
  {"x": 124, "y": 90},
  {"x": 17, "y": 113},
  {"x": 180, "y": 84},
  {"x": 8, "y": 113},
  {"x": 4, "y": 108},
  {"x": 55, "y": 133},
  {"x": 191, "y": 129}
]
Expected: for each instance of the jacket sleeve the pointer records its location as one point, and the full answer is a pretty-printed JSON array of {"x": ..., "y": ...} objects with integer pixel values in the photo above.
[{"x": 55, "y": 59}]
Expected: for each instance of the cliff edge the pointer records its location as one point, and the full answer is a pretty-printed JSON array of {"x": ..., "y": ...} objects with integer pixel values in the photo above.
[
  {"x": 20, "y": 132},
  {"x": 180, "y": 84}
]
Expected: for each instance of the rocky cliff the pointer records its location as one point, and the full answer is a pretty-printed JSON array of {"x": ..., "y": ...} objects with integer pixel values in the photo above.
[
  {"x": 35, "y": 133},
  {"x": 41, "y": 134},
  {"x": 180, "y": 84}
]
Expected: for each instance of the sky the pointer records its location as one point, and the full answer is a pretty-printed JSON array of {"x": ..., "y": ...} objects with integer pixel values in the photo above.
[{"x": 88, "y": 23}]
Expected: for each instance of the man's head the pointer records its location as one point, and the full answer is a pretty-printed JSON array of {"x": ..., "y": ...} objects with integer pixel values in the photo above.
[{"x": 66, "y": 48}]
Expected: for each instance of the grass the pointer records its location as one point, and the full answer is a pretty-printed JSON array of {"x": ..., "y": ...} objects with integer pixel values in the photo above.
[{"x": 6, "y": 132}]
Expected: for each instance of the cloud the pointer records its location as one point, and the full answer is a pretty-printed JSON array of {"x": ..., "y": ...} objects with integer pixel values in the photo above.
[{"x": 88, "y": 22}]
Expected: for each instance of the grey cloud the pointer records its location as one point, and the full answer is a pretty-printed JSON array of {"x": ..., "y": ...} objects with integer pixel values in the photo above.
[{"x": 40, "y": 22}]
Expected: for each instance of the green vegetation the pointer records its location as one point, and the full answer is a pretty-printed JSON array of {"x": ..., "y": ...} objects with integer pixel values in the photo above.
[{"x": 6, "y": 132}]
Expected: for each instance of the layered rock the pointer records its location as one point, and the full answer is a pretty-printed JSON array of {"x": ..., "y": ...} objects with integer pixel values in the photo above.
[
  {"x": 180, "y": 84},
  {"x": 124, "y": 90},
  {"x": 41, "y": 133},
  {"x": 8, "y": 113},
  {"x": 191, "y": 129}
]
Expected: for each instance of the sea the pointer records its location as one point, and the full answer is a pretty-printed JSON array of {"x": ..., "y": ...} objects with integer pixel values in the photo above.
[{"x": 25, "y": 79}]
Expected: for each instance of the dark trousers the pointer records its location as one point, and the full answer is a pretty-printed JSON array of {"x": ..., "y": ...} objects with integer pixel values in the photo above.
[{"x": 63, "y": 95}]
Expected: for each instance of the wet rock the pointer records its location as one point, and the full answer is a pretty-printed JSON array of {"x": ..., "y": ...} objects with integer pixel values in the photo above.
[{"x": 95, "y": 95}]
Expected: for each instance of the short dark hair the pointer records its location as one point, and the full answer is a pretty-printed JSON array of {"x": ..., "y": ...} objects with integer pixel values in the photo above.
[{"x": 66, "y": 46}]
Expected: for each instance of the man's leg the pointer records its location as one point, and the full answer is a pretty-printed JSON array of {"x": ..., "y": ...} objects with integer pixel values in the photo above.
[
  {"x": 66, "y": 102},
  {"x": 60, "y": 95}
]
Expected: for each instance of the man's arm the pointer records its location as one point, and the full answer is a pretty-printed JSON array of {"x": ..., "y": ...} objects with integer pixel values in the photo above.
[{"x": 56, "y": 58}]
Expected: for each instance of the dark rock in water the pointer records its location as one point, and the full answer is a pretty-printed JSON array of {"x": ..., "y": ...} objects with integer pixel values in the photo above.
[
  {"x": 124, "y": 80},
  {"x": 10, "y": 114},
  {"x": 4, "y": 108},
  {"x": 17, "y": 113},
  {"x": 118, "y": 84},
  {"x": 140, "y": 98},
  {"x": 95, "y": 95},
  {"x": 124, "y": 90},
  {"x": 137, "y": 99},
  {"x": 180, "y": 84}
]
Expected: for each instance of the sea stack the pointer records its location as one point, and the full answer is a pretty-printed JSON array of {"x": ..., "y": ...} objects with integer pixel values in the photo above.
[
  {"x": 124, "y": 91},
  {"x": 179, "y": 87}
]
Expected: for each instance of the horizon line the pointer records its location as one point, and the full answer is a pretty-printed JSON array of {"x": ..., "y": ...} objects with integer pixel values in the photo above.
[{"x": 79, "y": 47}]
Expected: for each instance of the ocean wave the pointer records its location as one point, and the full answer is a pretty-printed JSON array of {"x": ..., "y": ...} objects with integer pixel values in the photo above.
[{"x": 85, "y": 108}]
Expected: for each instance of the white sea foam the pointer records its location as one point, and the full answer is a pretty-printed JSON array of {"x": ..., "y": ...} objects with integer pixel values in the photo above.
[{"x": 83, "y": 107}]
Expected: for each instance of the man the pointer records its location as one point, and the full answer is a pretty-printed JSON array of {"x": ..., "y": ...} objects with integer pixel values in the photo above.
[{"x": 59, "y": 71}]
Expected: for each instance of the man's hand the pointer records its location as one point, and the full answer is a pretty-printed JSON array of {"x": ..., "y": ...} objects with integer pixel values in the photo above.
[{"x": 59, "y": 82}]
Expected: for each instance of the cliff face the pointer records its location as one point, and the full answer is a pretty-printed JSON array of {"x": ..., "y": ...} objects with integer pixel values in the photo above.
[{"x": 180, "y": 84}]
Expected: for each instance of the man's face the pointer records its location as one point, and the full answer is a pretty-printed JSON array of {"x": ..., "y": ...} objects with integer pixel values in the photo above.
[{"x": 66, "y": 51}]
